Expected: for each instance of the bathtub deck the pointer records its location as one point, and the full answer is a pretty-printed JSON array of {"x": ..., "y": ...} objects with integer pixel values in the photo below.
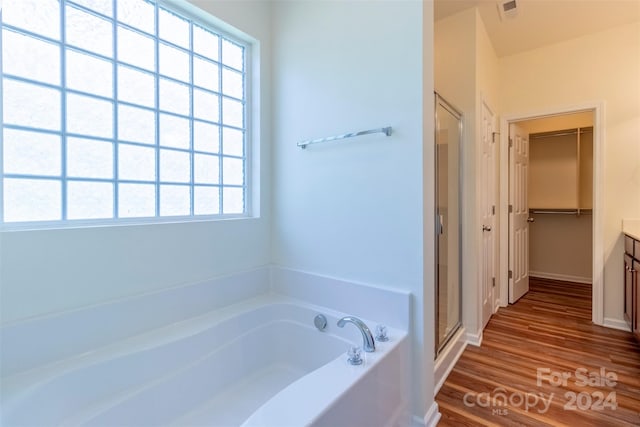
[{"x": 236, "y": 404}]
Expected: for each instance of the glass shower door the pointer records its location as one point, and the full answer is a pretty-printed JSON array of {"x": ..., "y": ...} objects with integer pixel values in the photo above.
[{"x": 448, "y": 277}]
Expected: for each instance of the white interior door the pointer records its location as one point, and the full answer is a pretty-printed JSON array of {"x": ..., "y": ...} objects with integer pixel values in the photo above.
[
  {"x": 519, "y": 213},
  {"x": 488, "y": 203}
]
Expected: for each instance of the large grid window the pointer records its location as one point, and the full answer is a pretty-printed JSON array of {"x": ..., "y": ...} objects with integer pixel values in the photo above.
[{"x": 116, "y": 109}]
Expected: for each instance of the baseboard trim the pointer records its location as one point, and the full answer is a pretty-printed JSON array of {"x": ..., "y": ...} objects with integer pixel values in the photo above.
[
  {"x": 563, "y": 277},
  {"x": 616, "y": 324},
  {"x": 432, "y": 416},
  {"x": 474, "y": 339}
]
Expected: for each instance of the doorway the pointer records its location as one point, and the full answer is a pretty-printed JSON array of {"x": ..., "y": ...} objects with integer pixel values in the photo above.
[{"x": 519, "y": 218}]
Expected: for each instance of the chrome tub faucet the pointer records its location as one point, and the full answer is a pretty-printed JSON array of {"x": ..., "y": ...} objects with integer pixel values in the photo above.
[{"x": 368, "y": 343}]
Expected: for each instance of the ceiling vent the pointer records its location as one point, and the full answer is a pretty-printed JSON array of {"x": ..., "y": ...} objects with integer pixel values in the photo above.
[{"x": 508, "y": 9}]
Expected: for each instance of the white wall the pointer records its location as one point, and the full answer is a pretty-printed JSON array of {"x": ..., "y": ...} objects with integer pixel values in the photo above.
[
  {"x": 48, "y": 271},
  {"x": 599, "y": 67},
  {"x": 354, "y": 209}
]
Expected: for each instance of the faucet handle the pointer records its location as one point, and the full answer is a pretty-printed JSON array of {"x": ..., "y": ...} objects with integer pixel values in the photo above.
[
  {"x": 355, "y": 355},
  {"x": 381, "y": 333}
]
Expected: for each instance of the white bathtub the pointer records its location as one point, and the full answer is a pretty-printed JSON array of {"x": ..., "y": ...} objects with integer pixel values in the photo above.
[{"x": 259, "y": 362}]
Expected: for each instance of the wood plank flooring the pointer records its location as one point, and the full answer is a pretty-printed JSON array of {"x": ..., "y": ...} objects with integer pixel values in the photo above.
[{"x": 543, "y": 363}]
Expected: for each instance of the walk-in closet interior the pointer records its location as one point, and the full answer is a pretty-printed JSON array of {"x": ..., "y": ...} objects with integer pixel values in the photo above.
[
  {"x": 560, "y": 195},
  {"x": 448, "y": 127}
]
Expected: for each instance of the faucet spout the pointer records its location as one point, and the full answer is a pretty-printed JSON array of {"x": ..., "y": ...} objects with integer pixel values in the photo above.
[{"x": 368, "y": 343}]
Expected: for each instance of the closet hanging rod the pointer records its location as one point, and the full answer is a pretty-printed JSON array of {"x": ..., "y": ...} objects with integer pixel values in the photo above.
[
  {"x": 385, "y": 130},
  {"x": 556, "y": 212}
]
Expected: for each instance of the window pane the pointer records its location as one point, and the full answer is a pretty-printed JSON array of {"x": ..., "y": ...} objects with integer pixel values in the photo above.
[
  {"x": 174, "y": 63},
  {"x": 206, "y": 200},
  {"x": 32, "y": 200},
  {"x": 174, "y": 200},
  {"x": 232, "y": 113},
  {"x": 38, "y": 16},
  {"x": 205, "y": 105},
  {"x": 174, "y": 131},
  {"x": 136, "y": 87},
  {"x": 206, "y": 137},
  {"x": 206, "y": 74},
  {"x": 136, "y": 200},
  {"x": 205, "y": 43},
  {"x": 136, "y": 163},
  {"x": 87, "y": 200},
  {"x": 207, "y": 169},
  {"x": 89, "y": 74},
  {"x": 136, "y": 124},
  {"x": 233, "y": 200},
  {"x": 173, "y": 28},
  {"x": 174, "y": 146},
  {"x": 139, "y": 14},
  {"x": 31, "y": 153},
  {"x": 175, "y": 166},
  {"x": 136, "y": 49},
  {"x": 89, "y": 32},
  {"x": 232, "y": 84},
  {"x": 30, "y": 58},
  {"x": 232, "y": 55},
  {"x": 100, "y": 6},
  {"x": 88, "y": 158},
  {"x": 232, "y": 142},
  {"x": 89, "y": 116},
  {"x": 174, "y": 97},
  {"x": 232, "y": 171},
  {"x": 30, "y": 105}
]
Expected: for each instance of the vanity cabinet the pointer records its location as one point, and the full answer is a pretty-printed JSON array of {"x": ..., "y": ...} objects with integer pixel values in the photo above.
[{"x": 632, "y": 285}]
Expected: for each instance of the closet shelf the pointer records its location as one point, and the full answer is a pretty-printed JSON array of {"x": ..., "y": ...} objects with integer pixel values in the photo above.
[{"x": 534, "y": 211}]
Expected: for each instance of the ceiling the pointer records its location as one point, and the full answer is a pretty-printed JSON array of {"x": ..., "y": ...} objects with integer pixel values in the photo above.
[{"x": 542, "y": 22}]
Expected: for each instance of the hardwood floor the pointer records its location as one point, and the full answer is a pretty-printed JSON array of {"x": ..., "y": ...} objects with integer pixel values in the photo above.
[{"x": 549, "y": 364}]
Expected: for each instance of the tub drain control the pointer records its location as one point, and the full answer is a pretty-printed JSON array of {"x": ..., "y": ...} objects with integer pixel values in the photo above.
[{"x": 320, "y": 321}]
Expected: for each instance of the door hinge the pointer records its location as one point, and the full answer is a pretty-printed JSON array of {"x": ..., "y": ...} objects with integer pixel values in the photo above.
[
  {"x": 510, "y": 208},
  {"x": 510, "y": 274},
  {"x": 493, "y": 210},
  {"x": 510, "y": 142},
  {"x": 493, "y": 282}
]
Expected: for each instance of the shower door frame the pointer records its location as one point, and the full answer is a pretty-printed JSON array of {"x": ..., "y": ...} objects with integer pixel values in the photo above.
[{"x": 440, "y": 346}]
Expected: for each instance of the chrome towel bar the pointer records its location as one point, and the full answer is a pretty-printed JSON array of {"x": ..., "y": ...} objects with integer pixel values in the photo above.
[{"x": 385, "y": 130}]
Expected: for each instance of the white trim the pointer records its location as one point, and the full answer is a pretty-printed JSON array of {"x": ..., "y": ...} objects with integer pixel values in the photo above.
[
  {"x": 597, "y": 297},
  {"x": 563, "y": 277},
  {"x": 432, "y": 416},
  {"x": 474, "y": 339},
  {"x": 598, "y": 109},
  {"x": 448, "y": 358},
  {"x": 616, "y": 324}
]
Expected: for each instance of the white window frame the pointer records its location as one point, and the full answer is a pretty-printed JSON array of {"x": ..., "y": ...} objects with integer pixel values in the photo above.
[{"x": 195, "y": 17}]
